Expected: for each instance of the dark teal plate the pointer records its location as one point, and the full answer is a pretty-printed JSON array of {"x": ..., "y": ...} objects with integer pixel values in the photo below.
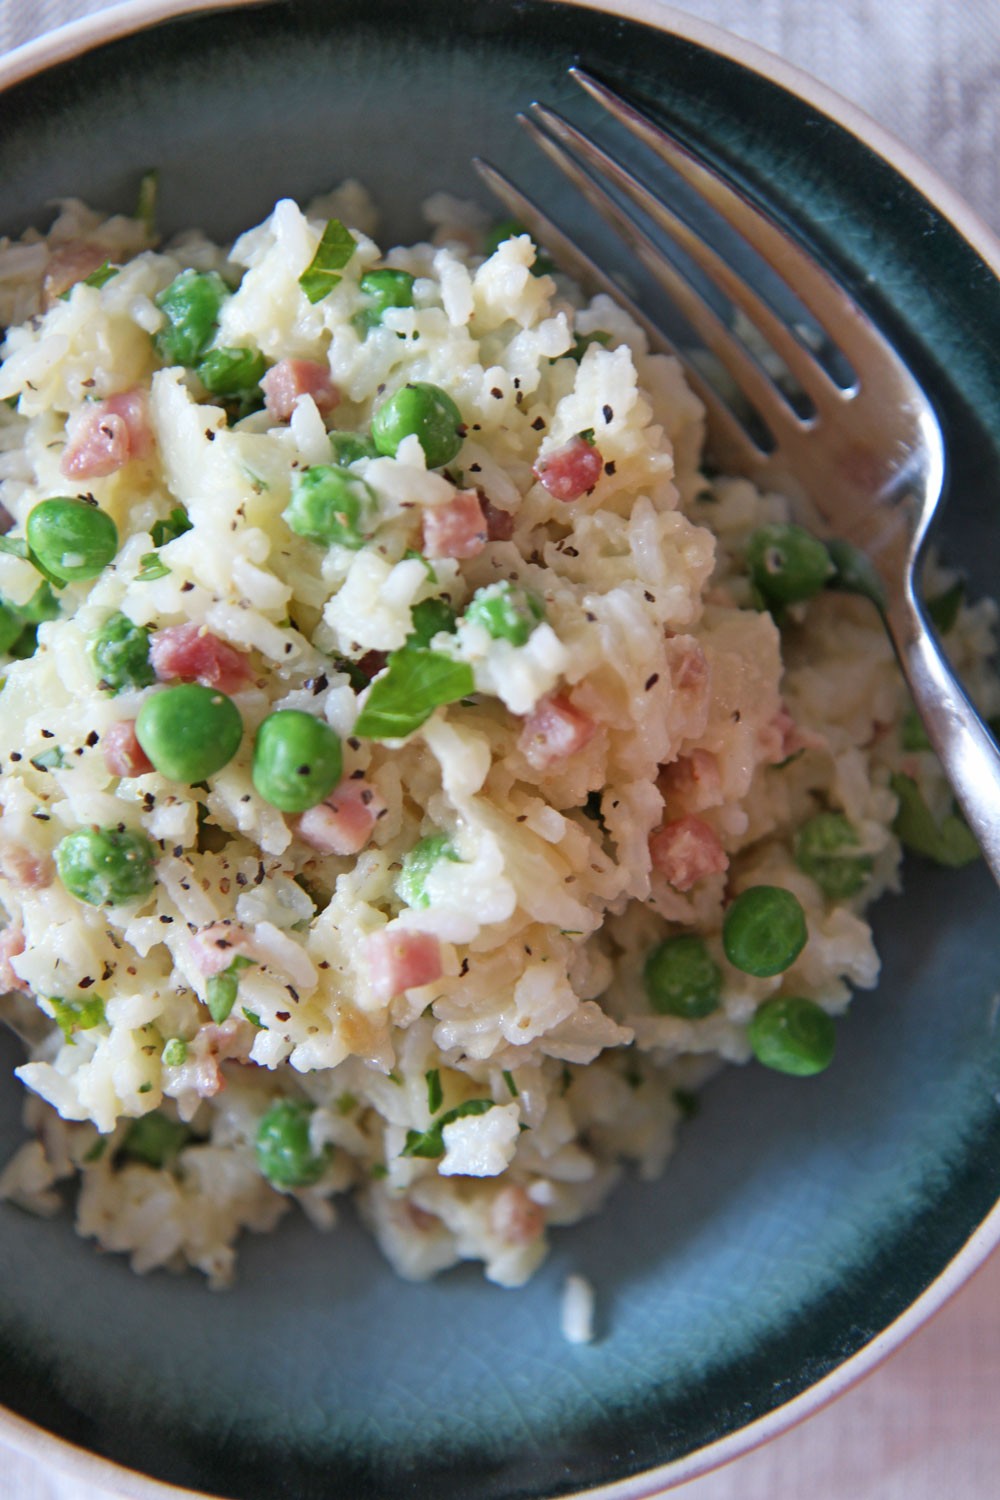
[{"x": 799, "y": 1221}]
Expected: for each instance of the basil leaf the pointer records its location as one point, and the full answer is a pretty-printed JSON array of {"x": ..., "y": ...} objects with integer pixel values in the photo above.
[
  {"x": 151, "y": 567},
  {"x": 951, "y": 843},
  {"x": 430, "y": 1143},
  {"x": 435, "y": 1094},
  {"x": 174, "y": 526},
  {"x": 96, "y": 279},
  {"x": 332, "y": 254},
  {"x": 416, "y": 683}
]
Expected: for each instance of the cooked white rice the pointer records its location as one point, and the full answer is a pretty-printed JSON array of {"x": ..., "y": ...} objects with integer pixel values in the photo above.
[{"x": 549, "y": 903}]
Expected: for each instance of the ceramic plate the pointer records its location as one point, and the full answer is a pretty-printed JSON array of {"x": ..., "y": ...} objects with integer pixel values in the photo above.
[{"x": 798, "y": 1224}]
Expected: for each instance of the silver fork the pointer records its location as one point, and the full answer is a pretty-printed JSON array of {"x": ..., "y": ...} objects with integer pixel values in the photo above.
[{"x": 868, "y": 457}]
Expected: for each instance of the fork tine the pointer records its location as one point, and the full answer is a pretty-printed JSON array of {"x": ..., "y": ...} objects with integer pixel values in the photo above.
[
  {"x": 802, "y": 364},
  {"x": 836, "y": 312},
  {"x": 731, "y": 443},
  {"x": 756, "y": 386}
]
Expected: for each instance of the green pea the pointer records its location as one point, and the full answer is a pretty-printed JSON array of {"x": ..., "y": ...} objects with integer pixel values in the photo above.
[
  {"x": 231, "y": 372},
  {"x": 329, "y": 504},
  {"x": 155, "y": 1139},
  {"x": 430, "y": 617},
  {"x": 787, "y": 563},
  {"x": 43, "y": 605},
  {"x": 192, "y": 303},
  {"x": 382, "y": 290},
  {"x": 296, "y": 760},
  {"x": 793, "y": 1035},
  {"x": 11, "y": 625},
  {"x": 764, "y": 930},
  {"x": 70, "y": 539},
  {"x": 418, "y": 864},
  {"x": 422, "y": 411},
  {"x": 175, "y": 1052},
  {"x": 682, "y": 978},
  {"x": 284, "y": 1153},
  {"x": 120, "y": 654},
  {"x": 348, "y": 447},
  {"x": 507, "y": 612},
  {"x": 106, "y": 866},
  {"x": 189, "y": 731},
  {"x": 827, "y": 849},
  {"x": 508, "y": 229}
]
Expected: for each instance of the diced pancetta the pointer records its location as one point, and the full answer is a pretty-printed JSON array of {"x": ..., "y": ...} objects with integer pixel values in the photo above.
[
  {"x": 123, "y": 755},
  {"x": 289, "y": 379},
  {"x": 553, "y": 731},
  {"x": 342, "y": 824},
  {"x": 515, "y": 1217},
  {"x": 213, "y": 948},
  {"x": 455, "y": 529},
  {"x": 570, "y": 471},
  {"x": 691, "y": 783},
  {"x": 401, "y": 959},
  {"x": 23, "y": 867},
  {"x": 70, "y": 263},
  {"x": 193, "y": 654},
  {"x": 687, "y": 850},
  {"x": 107, "y": 435},
  {"x": 11, "y": 944}
]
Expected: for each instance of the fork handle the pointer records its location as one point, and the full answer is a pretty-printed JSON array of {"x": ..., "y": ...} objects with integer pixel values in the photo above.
[{"x": 964, "y": 745}]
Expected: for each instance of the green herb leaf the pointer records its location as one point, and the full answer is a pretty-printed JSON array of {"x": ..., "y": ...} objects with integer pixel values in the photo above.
[
  {"x": 418, "y": 862},
  {"x": 174, "y": 1053},
  {"x": 332, "y": 254},
  {"x": 151, "y": 567},
  {"x": 220, "y": 996},
  {"x": 14, "y": 546},
  {"x": 145, "y": 206},
  {"x": 428, "y": 617},
  {"x": 435, "y": 1094},
  {"x": 49, "y": 760},
  {"x": 254, "y": 1019},
  {"x": 508, "y": 1079},
  {"x": 417, "y": 682},
  {"x": 430, "y": 1143},
  {"x": 174, "y": 526},
  {"x": 77, "y": 1015},
  {"x": 588, "y": 435},
  {"x": 96, "y": 279},
  {"x": 154, "y": 1139},
  {"x": 951, "y": 843},
  {"x": 97, "y": 1150},
  {"x": 379, "y": 1170}
]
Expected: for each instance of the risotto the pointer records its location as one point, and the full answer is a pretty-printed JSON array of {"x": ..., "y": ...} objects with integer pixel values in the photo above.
[{"x": 417, "y": 776}]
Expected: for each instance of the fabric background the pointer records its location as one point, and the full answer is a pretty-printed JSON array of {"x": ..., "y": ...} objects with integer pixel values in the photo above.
[{"x": 925, "y": 1425}]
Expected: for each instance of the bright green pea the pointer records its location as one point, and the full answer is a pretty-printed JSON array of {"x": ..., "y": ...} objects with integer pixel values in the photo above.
[
  {"x": 284, "y": 1153},
  {"x": 189, "y": 731},
  {"x": 120, "y": 654},
  {"x": 507, "y": 612},
  {"x": 231, "y": 372},
  {"x": 429, "y": 617},
  {"x": 382, "y": 290},
  {"x": 682, "y": 978},
  {"x": 329, "y": 504},
  {"x": 764, "y": 930},
  {"x": 71, "y": 539},
  {"x": 296, "y": 760},
  {"x": 155, "y": 1139},
  {"x": 11, "y": 625},
  {"x": 220, "y": 995},
  {"x": 348, "y": 447},
  {"x": 827, "y": 849},
  {"x": 793, "y": 1035},
  {"x": 787, "y": 563},
  {"x": 422, "y": 411},
  {"x": 106, "y": 866},
  {"x": 418, "y": 864},
  {"x": 192, "y": 303}
]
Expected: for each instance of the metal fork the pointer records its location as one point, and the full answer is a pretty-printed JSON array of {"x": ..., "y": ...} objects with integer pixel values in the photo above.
[{"x": 868, "y": 456}]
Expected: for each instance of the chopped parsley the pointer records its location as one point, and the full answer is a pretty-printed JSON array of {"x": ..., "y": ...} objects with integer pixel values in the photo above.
[{"x": 430, "y": 1143}]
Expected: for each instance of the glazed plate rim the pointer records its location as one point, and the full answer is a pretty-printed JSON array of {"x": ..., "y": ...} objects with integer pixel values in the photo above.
[{"x": 121, "y": 20}]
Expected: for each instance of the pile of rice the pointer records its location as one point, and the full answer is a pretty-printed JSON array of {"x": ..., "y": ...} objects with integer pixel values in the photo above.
[{"x": 698, "y": 706}]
